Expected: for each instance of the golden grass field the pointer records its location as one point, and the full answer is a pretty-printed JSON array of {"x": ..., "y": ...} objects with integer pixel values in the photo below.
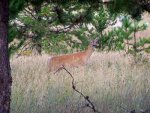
[{"x": 111, "y": 80}]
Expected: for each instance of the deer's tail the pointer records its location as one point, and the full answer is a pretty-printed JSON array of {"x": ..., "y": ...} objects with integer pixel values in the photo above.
[
  {"x": 49, "y": 59},
  {"x": 49, "y": 63}
]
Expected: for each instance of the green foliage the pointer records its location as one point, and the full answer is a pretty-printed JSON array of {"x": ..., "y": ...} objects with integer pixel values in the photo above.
[
  {"x": 48, "y": 31},
  {"x": 143, "y": 41},
  {"x": 125, "y": 38},
  {"x": 55, "y": 43},
  {"x": 131, "y": 7},
  {"x": 54, "y": 23},
  {"x": 12, "y": 33},
  {"x": 100, "y": 20},
  {"x": 15, "y": 47},
  {"x": 15, "y": 6},
  {"x": 36, "y": 2}
]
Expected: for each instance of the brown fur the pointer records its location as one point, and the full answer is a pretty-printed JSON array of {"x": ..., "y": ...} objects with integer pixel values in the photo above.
[{"x": 71, "y": 60}]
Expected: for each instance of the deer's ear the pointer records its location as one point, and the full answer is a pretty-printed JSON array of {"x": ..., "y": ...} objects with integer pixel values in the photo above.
[
  {"x": 96, "y": 39},
  {"x": 91, "y": 41}
]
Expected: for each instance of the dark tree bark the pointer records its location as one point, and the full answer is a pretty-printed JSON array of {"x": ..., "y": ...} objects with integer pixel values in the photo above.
[{"x": 5, "y": 76}]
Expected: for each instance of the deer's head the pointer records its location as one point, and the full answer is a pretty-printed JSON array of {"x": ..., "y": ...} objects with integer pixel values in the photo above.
[{"x": 94, "y": 43}]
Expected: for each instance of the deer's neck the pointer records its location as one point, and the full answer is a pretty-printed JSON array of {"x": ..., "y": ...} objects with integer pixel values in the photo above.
[{"x": 89, "y": 51}]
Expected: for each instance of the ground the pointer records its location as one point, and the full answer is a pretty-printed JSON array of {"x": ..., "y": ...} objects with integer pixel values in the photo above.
[{"x": 113, "y": 82}]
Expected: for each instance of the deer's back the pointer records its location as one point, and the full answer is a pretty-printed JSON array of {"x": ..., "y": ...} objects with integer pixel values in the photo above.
[{"x": 70, "y": 60}]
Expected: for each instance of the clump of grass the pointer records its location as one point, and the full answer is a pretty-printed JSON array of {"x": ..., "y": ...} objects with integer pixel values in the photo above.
[{"x": 111, "y": 81}]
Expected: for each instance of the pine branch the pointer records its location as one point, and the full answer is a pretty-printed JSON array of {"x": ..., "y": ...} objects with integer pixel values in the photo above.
[{"x": 30, "y": 12}]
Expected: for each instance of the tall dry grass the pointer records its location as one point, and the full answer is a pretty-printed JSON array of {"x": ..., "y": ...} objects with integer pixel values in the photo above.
[{"x": 113, "y": 83}]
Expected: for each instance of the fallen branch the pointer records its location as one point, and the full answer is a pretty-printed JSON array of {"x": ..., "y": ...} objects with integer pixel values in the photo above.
[{"x": 90, "y": 104}]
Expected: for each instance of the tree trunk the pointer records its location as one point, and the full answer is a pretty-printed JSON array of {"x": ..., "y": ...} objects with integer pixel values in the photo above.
[{"x": 5, "y": 76}]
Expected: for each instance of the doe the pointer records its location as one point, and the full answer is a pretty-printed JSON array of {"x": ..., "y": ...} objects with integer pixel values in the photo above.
[{"x": 56, "y": 63}]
